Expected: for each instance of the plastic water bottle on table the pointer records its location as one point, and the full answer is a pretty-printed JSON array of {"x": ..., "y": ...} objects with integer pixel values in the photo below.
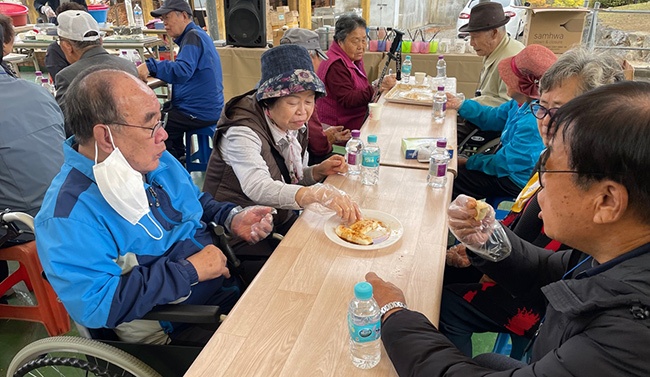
[
  {"x": 407, "y": 65},
  {"x": 438, "y": 162},
  {"x": 353, "y": 150},
  {"x": 370, "y": 162},
  {"x": 439, "y": 105},
  {"x": 364, "y": 323}
]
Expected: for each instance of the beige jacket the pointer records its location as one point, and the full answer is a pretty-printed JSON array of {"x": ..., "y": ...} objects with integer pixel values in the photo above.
[{"x": 493, "y": 89}]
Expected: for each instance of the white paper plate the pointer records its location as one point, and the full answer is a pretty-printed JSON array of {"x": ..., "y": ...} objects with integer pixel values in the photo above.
[{"x": 381, "y": 239}]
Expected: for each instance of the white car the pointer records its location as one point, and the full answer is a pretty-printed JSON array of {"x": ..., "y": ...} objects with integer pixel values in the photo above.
[{"x": 514, "y": 27}]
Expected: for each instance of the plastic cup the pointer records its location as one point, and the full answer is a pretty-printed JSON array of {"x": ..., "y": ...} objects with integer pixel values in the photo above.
[
  {"x": 381, "y": 46},
  {"x": 373, "y": 46},
  {"x": 420, "y": 77},
  {"x": 388, "y": 45},
  {"x": 406, "y": 46},
  {"x": 416, "y": 47},
  {"x": 374, "y": 111},
  {"x": 433, "y": 47}
]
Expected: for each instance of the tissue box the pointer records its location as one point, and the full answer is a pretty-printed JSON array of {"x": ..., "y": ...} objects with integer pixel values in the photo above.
[{"x": 411, "y": 145}]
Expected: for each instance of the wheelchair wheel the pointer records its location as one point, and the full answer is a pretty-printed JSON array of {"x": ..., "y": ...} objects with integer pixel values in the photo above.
[{"x": 72, "y": 356}]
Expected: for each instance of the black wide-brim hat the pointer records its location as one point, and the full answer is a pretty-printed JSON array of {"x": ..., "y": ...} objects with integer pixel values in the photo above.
[{"x": 485, "y": 16}]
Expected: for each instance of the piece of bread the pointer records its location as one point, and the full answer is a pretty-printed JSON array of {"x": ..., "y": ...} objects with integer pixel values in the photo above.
[
  {"x": 481, "y": 210},
  {"x": 351, "y": 235}
]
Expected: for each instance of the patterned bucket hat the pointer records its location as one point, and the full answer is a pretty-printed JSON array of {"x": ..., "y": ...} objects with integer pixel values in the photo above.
[{"x": 287, "y": 69}]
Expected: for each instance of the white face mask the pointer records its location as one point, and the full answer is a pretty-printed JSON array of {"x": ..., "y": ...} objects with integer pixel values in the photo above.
[{"x": 122, "y": 187}]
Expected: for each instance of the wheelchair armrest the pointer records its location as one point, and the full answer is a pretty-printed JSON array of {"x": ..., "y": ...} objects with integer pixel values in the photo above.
[{"x": 185, "y": 313}]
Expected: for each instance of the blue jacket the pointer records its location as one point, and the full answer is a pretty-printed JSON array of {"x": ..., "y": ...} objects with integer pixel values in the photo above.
[
  {"x": 195, "y": 75},
  {"x": 107, "y": 271},
  {"x": 521, "y": 143}
]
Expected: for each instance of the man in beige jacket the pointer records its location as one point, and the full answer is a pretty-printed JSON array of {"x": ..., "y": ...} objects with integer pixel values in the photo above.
[{"x": 489, "y": 39}]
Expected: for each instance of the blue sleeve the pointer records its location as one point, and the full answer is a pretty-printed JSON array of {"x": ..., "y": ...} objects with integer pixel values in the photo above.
[
  {"x": 520, "y": 149},
  {"x": 187, "y": 60},
  {"x": 80, "y": 261},
  {"x": 487, "y": 118},
  {"x": 214, "y": 210}
]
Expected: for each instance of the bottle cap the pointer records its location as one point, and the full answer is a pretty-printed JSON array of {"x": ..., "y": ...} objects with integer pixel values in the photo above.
[
  {"x": 44, "y": 79},
  {"x": 356, "y": 133},
  {"x": 441, "y": 143},
  {"x": 38, "y": 73},
  {"x": 372, "y": 138},
  {"x": 441, "y": 56},
  {"x": 441, "y": 88},
  {"x": 363, "y": 290},
  {"x": 408, "y": 57}
]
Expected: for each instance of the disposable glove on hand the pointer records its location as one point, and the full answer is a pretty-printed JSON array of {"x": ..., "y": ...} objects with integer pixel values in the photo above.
[
  {"x": 479, "y": 231},
  {"x": 253, "y": 223},
  {"x": 320, "y": 195},
  {"x": 47, "y": 10}
]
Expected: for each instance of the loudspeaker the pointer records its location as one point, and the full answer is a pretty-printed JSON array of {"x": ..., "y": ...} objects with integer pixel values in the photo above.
[{"x": 245, "y": 23}]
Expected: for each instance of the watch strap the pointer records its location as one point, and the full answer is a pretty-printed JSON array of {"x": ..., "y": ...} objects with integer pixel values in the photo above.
[{"x": 390, "y": 306}]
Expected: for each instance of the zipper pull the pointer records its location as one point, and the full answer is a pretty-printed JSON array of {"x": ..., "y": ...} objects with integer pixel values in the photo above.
[{"x": 155, "y": 197}]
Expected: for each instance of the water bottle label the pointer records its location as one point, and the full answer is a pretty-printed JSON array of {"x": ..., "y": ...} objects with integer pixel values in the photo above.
[
  {"x": 370, "y": 160},
  {"x": 351, "y": 159},
  {"x": 441, "y": 170},
  {"x": 365, "y": 333}
]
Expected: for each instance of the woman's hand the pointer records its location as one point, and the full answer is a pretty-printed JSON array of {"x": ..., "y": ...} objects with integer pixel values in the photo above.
[
  {"x": 453, "y": 102},
  {"x": 331, "y": 198},
  {"x": 333, "y": 165},
  {"x": 387, "y": 83},
  {"x": 337, "y": 134}
]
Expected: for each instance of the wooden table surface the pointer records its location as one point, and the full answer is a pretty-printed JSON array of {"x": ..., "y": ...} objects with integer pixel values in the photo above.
[
  {"x": 291, "y": 321},
  {"x": 404, "y": 121}
]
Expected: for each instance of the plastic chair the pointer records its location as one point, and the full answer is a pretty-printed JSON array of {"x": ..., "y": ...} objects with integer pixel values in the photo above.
[
  {"x": 48, "y": 309},
  {"x": 198, "y": 160},
  {"x": 495, "y": 202}
]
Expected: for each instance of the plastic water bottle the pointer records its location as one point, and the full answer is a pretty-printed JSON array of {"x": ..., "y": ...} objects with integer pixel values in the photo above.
[
  {"x": 128, "y": 7},
  {"x": 438, "y": 161},
  {"x": 39, "y": 76},
  {"x": 407, "y": 65},
  {"x": 441, "y": 66},
  {"x": 364, "y": 323},
  {"x": 137, "y": 16},
  {"x": 439, "y": 105},
  {"x": 353, "y": 150},
  {"x": 124, "y": 55},
  {"x": 370, "y": 162},
  {"x": 135, "y": 58},
  {"x": 45, "y": 83}
]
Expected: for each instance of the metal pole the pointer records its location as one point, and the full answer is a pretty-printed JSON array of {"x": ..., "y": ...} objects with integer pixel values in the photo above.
[
  {"x": 591, "y": 40},
  {"x": 213, "y": 23}
]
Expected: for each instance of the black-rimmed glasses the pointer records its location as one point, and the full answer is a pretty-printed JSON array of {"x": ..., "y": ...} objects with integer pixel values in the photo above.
[
  {"x": 541, "y": 170},
  {"x": 159, "y": 124},
  {"x": 540, "y": 111}
]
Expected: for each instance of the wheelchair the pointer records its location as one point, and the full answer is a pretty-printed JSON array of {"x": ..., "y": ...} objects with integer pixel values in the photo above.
[{"x": 104, "y": 354}]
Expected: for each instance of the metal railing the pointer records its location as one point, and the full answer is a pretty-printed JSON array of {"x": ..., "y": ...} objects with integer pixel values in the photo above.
[{"x": 591, "y": 36}]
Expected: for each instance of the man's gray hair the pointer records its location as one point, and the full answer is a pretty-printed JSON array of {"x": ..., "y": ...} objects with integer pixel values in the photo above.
[
  {"x": 592, "y": 69},
  {"x": 90, "y": 100}
]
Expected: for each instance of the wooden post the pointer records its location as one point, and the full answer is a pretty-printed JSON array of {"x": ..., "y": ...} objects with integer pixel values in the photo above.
[
  {"x": 304, "y": 7},
  {"x": 147, "y": 7},
  {"x": 269, "y": 28},
  {"x": 221, "y": 19},
  {"x": 365, "y": 6}
]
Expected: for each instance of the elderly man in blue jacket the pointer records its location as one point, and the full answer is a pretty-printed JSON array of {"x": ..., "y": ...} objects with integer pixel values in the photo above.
[
  {"x": 123, "y": 228},
  {"x": 197, "y": 98}
]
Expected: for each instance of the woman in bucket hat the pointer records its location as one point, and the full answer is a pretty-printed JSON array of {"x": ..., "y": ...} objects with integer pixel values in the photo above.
[
  {"x": 506, "y": 171},
  {"x": 261, "y": 141}
]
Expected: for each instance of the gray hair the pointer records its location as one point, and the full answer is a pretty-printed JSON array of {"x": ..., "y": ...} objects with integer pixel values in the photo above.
[
  {"x": 83, "y": 45},
  {"x": 346, "y": 24},
  {"x": 90, "y": 100},
  {"x": 592, "y": 69}
]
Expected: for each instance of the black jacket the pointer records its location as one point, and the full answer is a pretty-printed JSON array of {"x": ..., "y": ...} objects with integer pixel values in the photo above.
[
  {"x": 53, "y": 4},
  {"x": 597, "y": 321}
]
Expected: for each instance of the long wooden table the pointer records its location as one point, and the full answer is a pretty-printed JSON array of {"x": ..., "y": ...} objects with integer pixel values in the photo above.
[
  {"x": 242, "y": 68},
  {"x": 291, "y": 321},
  {"x": 405, "y": 121}
]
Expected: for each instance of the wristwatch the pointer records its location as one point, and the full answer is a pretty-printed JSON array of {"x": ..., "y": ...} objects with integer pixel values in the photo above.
[{"x": 392, "y": 305}]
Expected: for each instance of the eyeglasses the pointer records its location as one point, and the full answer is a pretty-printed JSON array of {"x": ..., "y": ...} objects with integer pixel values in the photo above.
[
  {"x": 159, "y": 124},
  {"x": 541, "y": 170},
  {"x": 540, "y": 111}
]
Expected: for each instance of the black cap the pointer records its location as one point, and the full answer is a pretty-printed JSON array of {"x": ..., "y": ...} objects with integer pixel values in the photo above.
[
  {"x": 172, "y": 5},
  {"x": 485, "y": 16}
]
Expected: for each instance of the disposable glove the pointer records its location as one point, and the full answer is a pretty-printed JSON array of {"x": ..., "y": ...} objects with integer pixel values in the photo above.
[
  {"x": 320, "y": 196},
  {"x": 485, "y": 237},
  {"x": 253, "y": 223}
]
